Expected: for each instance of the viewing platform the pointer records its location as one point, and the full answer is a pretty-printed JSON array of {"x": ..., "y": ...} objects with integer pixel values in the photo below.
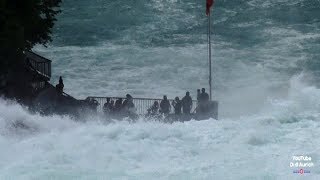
[
  {"x": 143, "y": 104},
  {"x": 40, "y": 68}
]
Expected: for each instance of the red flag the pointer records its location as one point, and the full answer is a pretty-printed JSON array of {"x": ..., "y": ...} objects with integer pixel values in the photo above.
[{"x": 209, "y": 4}]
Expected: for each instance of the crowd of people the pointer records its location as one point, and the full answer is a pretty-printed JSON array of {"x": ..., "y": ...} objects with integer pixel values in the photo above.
[
  {"x": 120, "y": 106},
  {"x": 183, "y": 106},
  {"x": 126, "y": 107}
]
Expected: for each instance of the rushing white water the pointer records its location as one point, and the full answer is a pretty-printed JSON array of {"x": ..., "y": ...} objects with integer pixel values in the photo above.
[
  {"x": 250, "y": 147},
  {"x": 266, "y": 78}
]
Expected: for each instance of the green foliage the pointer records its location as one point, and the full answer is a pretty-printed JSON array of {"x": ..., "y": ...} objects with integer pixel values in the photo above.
[{"x": 23, "y": 24}]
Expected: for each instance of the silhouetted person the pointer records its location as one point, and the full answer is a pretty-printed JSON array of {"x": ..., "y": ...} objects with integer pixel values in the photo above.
[
  {"x": 128, "y": 108},
  {"x": 60, "y": 86},
  {"x": 165, "y": 105},
  {"x": 177, "y": 105},
  {"x": 106, "y": 106},
  {"x": 93, "y": 104},
  {"x": 118, "y": 105},
  {"x": 187, "y": 103},
  {"x": 128, "y": 103},
  {"x": 154, "y": 109},
  {"x": 203, "y": 101},
  {"x": 203, "y": 97},
  {"x": 111, "y": 106}
]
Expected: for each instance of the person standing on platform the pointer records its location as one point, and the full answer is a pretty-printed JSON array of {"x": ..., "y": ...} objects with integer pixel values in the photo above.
[
  {"x": 128, "y": 104},
  {"x": 177, "y": 106},
  {"x": 154, "y": 109},
  {"x": 60, "y": 86},
  {"x": 187, "y": 103},
  {"x": 203, "y": 101},
  {"x": 203, "y": 97},
  {"x": 118, "y": 105},
  {"x": 111, "y": 106},
  {"x": 165, "y": 107},
  {"x": 106, "y": 105}
]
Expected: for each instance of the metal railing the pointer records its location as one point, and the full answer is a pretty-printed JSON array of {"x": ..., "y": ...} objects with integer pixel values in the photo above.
[
  {"x": 40, "y": 64},
  {"x": 141, "y": 104}
]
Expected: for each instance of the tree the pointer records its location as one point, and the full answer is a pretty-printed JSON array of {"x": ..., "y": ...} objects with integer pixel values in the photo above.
[{"x": 23, "y": 24}]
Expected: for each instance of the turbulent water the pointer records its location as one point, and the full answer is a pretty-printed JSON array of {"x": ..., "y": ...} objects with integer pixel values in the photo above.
[{"x": 266, "y": 77}]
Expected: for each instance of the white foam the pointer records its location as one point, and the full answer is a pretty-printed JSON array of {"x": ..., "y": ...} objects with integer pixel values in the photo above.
[{"x": 246, "y": 147}]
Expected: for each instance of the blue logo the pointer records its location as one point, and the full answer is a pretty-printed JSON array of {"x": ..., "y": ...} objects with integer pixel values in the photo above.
[{"x": 301, "y": 171}]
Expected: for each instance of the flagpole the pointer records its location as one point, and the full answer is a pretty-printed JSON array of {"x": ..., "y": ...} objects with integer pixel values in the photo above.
[{"x": 209, "y": 42}]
